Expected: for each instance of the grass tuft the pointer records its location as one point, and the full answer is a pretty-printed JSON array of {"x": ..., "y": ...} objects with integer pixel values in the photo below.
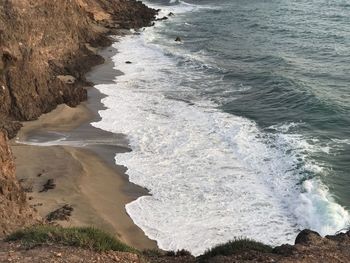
[
  {"x": 178, "y": 253},
  {"x": 235, "y": 246},
  {"x": 83, "y": 237}
]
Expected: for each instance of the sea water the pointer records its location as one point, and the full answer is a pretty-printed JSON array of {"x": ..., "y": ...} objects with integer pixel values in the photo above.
[{"x": 242, "y": 129}]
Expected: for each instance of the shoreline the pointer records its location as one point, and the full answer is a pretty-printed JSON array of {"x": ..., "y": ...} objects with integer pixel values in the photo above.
[{"x": 83, "y": 166}]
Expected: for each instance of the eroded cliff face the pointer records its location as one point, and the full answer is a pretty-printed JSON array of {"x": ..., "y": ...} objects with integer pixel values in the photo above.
[
  {"x": 14, "y": 210},
  {"x": 46, "y": 47}
]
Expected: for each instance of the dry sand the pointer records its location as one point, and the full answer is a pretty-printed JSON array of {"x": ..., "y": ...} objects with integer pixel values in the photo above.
[{"x": 86, "y": 177}]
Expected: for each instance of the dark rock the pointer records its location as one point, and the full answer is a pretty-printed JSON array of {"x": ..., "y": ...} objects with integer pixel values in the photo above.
[
  {"x": 162, "y": 19},
  {"x": 171, "y": 14},
  {"x": 62, "y": 213},
  {"x": 178, "y": 39},
  {"x": 307, "y": 236},
  {"x": 128, "y": 62},
  {"x": 50, "y": 184}
]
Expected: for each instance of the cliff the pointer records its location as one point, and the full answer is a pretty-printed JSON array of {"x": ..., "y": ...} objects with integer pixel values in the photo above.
[
  {"x": 46, "y": 47},
  {"x": 14, "y": 210}
]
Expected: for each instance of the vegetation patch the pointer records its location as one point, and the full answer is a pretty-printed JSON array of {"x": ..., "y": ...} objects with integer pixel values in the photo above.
[
  {"x": 179, "y": 253},
  {"x": 83, "y": 237},
  {"x": 236, "y": 246},
  {"x": 153, "y": 253}
]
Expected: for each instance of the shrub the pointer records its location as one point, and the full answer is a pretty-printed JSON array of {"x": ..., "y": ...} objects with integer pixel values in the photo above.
[
  {"x": 235, "y": 246},
  {"x": 153, "y": 253},
  {"x": 178, "y": 253},
  {"x": 84, "y": 237},
  {"x": 183, "y": 253}
]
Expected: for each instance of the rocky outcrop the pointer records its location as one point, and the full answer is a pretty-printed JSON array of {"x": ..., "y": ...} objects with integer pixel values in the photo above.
[
  {"x": 14, "y": 210},
  {"x": 44, "y": 41}
]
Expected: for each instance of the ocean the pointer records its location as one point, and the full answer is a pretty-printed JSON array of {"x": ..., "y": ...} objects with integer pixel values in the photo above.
[{"x": 242, "y": 129}]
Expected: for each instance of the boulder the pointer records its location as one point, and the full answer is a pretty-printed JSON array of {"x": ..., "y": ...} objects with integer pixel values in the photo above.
[{"x": 307, "y": 236}]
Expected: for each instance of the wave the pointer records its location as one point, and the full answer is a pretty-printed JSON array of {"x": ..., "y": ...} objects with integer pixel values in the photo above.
[
  {"x": 212, "y": 175},
  {"x": 177, "y": 6}
]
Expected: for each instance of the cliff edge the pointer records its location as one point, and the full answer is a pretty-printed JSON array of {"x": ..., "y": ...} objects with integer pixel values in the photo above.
[
  {"x": 46, "y": 47},
  {"x": 14, "y": 210}
]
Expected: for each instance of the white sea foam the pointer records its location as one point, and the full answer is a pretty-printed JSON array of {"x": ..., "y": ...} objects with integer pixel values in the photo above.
[
  {"x": 212, "y": 175},
  {"x": 36, "y": 142},
  {"x": 178, "y": 7}
]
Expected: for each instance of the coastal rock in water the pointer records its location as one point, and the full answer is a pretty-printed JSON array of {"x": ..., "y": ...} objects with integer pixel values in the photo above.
[
  {"x": 128, "y": 62},
  {"x": 178, "y": 39},
  {"x": 171, "y": 14},
  {"x": 162, "y": 19}
]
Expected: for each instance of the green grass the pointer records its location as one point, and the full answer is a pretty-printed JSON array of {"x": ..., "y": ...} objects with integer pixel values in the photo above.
[
  {"x": 84, "y": 237},
  {"x": 235, "y": 246}
]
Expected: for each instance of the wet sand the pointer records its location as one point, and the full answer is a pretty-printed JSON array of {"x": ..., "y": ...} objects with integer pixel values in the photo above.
[{"x": 62, "y": 145}]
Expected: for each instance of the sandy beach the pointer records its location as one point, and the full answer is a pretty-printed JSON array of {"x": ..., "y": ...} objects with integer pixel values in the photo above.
[{"x": 63, "y": 146}]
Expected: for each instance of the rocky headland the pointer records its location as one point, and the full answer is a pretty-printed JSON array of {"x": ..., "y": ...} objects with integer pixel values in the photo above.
[{"x": 46, "y": 48}]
